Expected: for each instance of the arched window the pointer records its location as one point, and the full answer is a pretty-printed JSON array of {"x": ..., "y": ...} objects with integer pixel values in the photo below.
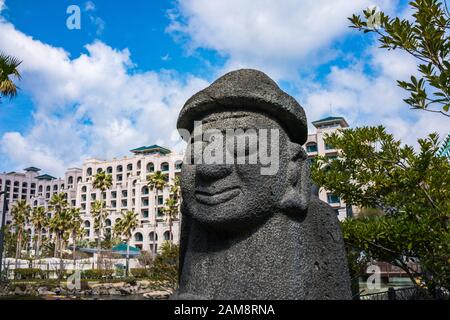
[
  {"x": 145, "y": 190},
  {"x": 16, "y": 183},
  {"x": 108, "y": 223},
  {"x": 138, "y": 237},
  {"x": 99, "y": 170},
  {"x": 48, "y": 188},
  {"x": 109, "y": 170},
  {"x": 150, "y": 167},
  {"x": 311, "y": 147},
  {"x": 153, "y": 236},
  {"x": 79, "y": 179},
  {"x": 166, "y": 236},
  {"x": 84, "y": 189},
  {"x": 40, "y": 189},
  {"x": 24, "y": 185},
  {"x": 89, "y": 171},
  {"x": 130, "y": 167},
  {"x": 33, "y": 186},
  {"x": 70, "y": 180},
  {"x": 87, "y": 224},
  {"x": 119, "y": 169},
  {"x": 55, "y": 187},
  {"x": 139, "y": 165},
  {"x": 164, "y": 167}
]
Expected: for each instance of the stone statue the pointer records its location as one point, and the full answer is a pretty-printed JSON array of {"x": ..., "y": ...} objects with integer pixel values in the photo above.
[{"x": 248, "y": 235}]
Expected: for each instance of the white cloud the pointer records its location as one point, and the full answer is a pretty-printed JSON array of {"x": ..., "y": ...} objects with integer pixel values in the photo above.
[
  {"x": 2, "y": 5},
  {"x": 365, "y": 99},
  {"x": 90, "y": 105},
  {"x": 276, "y": 36}
]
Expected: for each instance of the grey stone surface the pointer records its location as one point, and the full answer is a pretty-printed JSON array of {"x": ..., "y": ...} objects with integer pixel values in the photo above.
[{"x": 250, "y": 236}]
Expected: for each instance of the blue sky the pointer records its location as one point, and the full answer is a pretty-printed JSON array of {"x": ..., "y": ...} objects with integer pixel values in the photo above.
[{"x": 120, "y": 81}]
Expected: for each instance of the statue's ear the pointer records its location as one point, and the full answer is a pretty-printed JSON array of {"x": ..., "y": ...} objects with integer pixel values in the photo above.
[{"x": 298, "y": 183}]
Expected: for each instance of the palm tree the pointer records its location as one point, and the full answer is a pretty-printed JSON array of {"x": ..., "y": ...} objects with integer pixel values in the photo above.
[
  {"x": 100, "y": 214},
  {"x": 20, "y": 212},
  {"x": 59, "y": 223},
  {"x": 76, "y": 229},
  {"x": 8, "y": 69},
  {"x": 124, "y": 227},
  {"x": 175, "y": 189},
  {"x": 39, "y": 220},
  {"x": 156, "y": 181},
  {"x": 171, "y": 213},
  {"x": 102, "y": 182}
]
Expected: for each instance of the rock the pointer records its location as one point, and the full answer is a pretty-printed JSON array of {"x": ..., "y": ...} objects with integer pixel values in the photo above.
[
  {"x": 41, "y": 290},
  {"x": 278, "y": 240},
  {"x": 114, "y": 292},
  {"x": 156, "y": 295},
  {"x": 18, "y": 291}
]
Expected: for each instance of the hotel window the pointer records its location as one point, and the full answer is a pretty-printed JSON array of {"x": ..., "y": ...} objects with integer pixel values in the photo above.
[
  {"x": 311, "y": 147},
  {"x": 145, "y": 190},
  {"x": 55, "y": 187},
  {"x": 119, "y": 177},
  {"x": 83, "y": 197},
  {"x": 332, "y": 199},
  {"x": 124, "y": 203},
  {"x": 160, "y": 213},
  {"x": 178, "y": 165},
  {"x": 153, "y": 236},
  {"x": 150, "y": 167},
  {"x": 139, "y": 164},
  {"x": 124, "y": 193},
  {"x": 130, "y": 167},
  {"x": 99, "y": 170},
  {"x": 328, "y": 146},
  {"x": 93, "y": 196},
  {"x": 89, "y": 171},
  {"x": 160, "y": 200},
  {"x": 164, "y": 167},
  {"x": 48, "y": 189},
  {"x": 138, "y": 237},
  {"x": 113, "y": 204},
  {"x": 84, "y": 189},
  {"x": 70, "y": 180},
  {"x": 109, "y": 170},
  {"x": 119, "y": 169},
  {"x": 144, "y": 213},
  {"x": 144, "y": 202},
  {"x": 113, "y": 194},
  {"x": 168, "y": 236}
]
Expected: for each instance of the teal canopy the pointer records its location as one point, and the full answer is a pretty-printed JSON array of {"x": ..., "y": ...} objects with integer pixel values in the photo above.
[{"x": 122, "y": 249}]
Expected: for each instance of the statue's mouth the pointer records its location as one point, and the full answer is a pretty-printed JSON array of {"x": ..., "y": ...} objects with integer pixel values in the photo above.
[{"x": 217, "y": 197}]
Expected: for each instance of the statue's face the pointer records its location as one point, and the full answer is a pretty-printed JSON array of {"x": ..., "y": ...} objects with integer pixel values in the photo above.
[{"x": 233, "y": 197}]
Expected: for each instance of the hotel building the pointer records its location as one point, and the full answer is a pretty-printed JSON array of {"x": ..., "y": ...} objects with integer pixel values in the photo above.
[
  {"x": 129, "y": 191},
  {"x": 316, "y": 146}
]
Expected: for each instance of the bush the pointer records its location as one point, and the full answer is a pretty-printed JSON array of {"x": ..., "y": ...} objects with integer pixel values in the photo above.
[
  {"x": 165, "y": 266},
  {"x": 27, "y": 274},
  {"x": 97, "y": 274},
  {"x": 140, "y": 273}
]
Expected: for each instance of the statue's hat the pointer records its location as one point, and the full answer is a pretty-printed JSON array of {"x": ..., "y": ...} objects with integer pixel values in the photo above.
[{"x": 251, "y": 90}]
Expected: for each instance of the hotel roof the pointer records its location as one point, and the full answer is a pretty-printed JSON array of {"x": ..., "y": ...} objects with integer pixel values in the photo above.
[{"x": 154, "y": 149}]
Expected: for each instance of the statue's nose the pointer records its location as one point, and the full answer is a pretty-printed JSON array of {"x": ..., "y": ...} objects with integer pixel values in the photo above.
[{"x": 211, "y": 172}]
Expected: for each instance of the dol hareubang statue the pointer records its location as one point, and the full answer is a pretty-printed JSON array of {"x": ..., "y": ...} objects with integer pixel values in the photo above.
[{"x": 246, "y": 235}]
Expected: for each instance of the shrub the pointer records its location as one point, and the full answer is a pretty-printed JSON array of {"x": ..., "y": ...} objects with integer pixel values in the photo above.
[
  {"x": 165, "y": 266},
  {"x": 140, "y": 273},
  {"x": 27, "y": 274},
  {"x": 97, "y": 274}
]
